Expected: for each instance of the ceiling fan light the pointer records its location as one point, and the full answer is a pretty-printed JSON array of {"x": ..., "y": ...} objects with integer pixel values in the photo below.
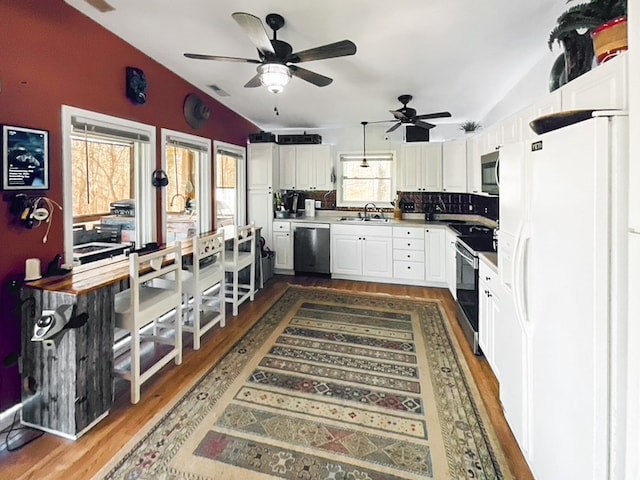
[{"x": 274, "y": 76}]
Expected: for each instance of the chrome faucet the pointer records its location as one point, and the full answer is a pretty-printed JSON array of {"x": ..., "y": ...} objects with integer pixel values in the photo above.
[{"x": 365, "y": 209}]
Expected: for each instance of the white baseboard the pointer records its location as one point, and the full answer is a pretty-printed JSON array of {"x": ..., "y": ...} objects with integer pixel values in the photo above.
[{"x": 6, "y": 417}]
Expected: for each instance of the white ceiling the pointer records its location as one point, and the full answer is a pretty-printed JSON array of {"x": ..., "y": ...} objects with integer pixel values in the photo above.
[{"x": 455, "y": 55}]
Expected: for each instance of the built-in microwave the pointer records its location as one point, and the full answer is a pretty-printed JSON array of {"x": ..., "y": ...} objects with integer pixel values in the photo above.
[{"x": 489, "y": 165}]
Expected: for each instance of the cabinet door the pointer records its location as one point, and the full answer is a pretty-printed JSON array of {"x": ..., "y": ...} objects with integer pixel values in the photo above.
[
  {"x": 377, "y": 256},
  {"x": 346, "y": 254},
  {"x": 411, "y": 168},
  {"x": 432, "y": 165},
  {"x": 323, "y": 167},
  {"x": 474, "y": 176},
  {"x": 450, "y": 266},
  {"x": 601, "y": 88},
  {"x": 283, "y": 246},
  {"x": 288, "y": 167},
  {"x": 484, "y": 321},
  {"x": 454, "y": 166},
  {"x": 435, "y": 255},
  {"x": 261, "y": 162},
  {"x": 260, "y": 211},
  {"x": 305, "y": 169}
]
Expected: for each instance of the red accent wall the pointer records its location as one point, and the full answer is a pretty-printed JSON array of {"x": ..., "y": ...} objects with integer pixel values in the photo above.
[{"x": 52, "y": 55}]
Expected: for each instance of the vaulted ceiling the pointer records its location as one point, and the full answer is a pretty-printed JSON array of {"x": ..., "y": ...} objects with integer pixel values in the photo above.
[{"x": 460, "y": 56}]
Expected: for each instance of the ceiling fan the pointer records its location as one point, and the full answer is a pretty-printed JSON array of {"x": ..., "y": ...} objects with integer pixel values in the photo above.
[
  {"x": 278, "y": 61},
  {"x": 408, "y": 115}
]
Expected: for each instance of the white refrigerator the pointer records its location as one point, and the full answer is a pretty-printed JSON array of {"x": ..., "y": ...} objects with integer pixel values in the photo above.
[{"x": 568, "y": 280}]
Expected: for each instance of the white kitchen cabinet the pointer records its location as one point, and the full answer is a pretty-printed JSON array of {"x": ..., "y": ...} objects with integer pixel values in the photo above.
[
  {"x": 260, "y": 211},
  {"x": 474, "y": 175},
  {"x": 287, "y": 167},
  {"x": 408, "y": 253},
  {"x": 262, "y": 166},
  {"x": 420, "y": 167},
  {"x": 361, "y": 251},
  {"x": 435, "y": 266},
  {"x": 305, "y": 167},
  {"x": 262, "y": 182},
  {"x": 488, "y": 313},
  {"x": 283, "y": 245},
  {"x": 602, "y": 88},
  {"x": 454, "y": 166},
  {"x": 450, "y": 249}
]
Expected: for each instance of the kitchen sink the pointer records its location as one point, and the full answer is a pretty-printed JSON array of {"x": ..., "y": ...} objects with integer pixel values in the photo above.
[{"x": 361, "y": 220}]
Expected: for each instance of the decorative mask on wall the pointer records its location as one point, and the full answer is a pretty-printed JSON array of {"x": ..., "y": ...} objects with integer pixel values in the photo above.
[{"x": 136, "y": 86}]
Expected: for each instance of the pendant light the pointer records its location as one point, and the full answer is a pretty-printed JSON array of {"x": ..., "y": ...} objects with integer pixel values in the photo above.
[{"x": 364, "y": 163}]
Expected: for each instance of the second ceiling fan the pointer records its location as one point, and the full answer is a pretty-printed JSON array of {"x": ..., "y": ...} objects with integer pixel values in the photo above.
[
  {"x": 278, "y": 61},
  {"x": 409, "y": 115}
]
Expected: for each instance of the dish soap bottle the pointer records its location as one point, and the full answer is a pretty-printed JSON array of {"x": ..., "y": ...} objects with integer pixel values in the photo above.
[{"x": 397, "y": 211}]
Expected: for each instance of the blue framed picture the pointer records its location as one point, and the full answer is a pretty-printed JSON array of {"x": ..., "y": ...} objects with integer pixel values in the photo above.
[{"x": 25, "y": 158}]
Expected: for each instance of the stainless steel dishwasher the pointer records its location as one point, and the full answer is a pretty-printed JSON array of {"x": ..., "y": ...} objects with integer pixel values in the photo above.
[{"x": 311, "y": 248}]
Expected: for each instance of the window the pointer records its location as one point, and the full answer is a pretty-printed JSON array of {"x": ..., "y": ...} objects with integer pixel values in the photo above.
[
  {"x": 187, "y": 198},
  {"x": 230, "y": 167},
  {"x": 108, "y": 197},
  {"x": 358, "y": 186}
]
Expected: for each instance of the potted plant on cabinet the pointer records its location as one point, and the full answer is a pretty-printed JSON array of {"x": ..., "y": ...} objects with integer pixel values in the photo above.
[
  {"x": 575, "y": 27},
  {"x": 470, "y": 126}
]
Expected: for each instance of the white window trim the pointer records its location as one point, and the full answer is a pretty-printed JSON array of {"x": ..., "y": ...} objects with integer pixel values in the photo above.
[
  {"x": 387, "y": 153},
  {"x": 203, "y": 180},
  {"x": 146, "y": 228},
  {"x": 241, "y": 176}
]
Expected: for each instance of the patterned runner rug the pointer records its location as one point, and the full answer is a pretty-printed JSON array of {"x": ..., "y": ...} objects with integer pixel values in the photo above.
[{"x": 330, "y": 386}]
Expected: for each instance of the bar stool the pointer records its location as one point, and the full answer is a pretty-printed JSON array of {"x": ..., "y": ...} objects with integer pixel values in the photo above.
[
  {"x": 203, "y": 287},
  {"x": 142, "y": 304},
  {"x": 242, "y": 256}
]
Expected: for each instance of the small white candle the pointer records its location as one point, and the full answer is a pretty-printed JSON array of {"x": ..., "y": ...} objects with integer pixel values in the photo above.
[{"x": 32, "y": 269}]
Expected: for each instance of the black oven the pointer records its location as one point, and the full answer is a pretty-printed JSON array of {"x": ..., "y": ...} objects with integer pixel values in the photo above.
[{"x": 467, "y": 292}]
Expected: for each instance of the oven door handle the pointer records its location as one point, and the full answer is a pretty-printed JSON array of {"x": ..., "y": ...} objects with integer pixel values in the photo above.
[{"x": 471, "y": 260}]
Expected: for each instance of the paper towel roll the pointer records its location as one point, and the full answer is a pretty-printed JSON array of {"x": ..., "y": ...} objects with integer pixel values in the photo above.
[{"x": 32, "y": 269}]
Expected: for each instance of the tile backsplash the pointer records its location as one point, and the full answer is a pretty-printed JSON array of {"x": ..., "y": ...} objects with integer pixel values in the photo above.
[{"x": 437, "y": 202}]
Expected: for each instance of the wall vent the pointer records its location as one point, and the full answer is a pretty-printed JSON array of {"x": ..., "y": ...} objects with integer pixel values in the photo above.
[{"x": 218, "y": 90}]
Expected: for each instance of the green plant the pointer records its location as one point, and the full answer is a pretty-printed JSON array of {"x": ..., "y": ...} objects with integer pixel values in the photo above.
[
  {"x": 470, "y": 126},
  {"x": 589, "y": 16}
]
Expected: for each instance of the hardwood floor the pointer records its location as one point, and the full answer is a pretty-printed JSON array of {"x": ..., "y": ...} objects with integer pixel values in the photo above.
[{"x": 53, "y": 458}]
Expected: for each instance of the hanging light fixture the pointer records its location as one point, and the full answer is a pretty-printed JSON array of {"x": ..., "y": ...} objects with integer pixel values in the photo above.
[
  {"x": 364, "y": 163},
  {"x": 274, "y": 76}
]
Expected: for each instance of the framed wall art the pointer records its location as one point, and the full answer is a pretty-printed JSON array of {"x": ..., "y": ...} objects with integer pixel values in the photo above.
[{"x": 25, "y": 158}]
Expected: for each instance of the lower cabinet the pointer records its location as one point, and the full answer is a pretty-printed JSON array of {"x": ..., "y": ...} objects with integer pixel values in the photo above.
[
  {"x": 362, "y": 251},
  {"x": 450, "y": 261},
  {"x": 488, "y": 314},
  {"x": 408, "y": 253},
  {"x": 435, "y": 265},
  {"x": 283, "y": 245}
]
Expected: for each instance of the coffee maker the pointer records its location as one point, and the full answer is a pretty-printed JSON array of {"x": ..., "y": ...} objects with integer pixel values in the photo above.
[{"x": 291, "y": 203}]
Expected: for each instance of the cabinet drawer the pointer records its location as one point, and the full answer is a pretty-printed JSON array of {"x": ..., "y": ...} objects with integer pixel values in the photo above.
[
  {"x": 408, "y": 244},
  {"x": 408, "y": 270},
  {"x": 408, "y": 255},
  {"x": 281, "y": 226},
  {"x": 408, "y": 232},
  {"x": 488, "y": 276}
]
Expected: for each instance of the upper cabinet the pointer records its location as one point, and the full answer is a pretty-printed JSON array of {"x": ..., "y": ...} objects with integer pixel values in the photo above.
[
  {"x": 454, "y": 166},
  {"x": 306, "y": 167},
  {"x": 262, "y": 166},
  {"x": 420, "y": 167},
  {"x": 604, "y": 87}
]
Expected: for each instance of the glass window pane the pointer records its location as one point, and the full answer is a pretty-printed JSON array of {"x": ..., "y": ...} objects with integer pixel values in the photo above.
[
  {"x": 360, "y": 185},
  {"x": 182, "y": 165},
  {"x": 103, "y": 197}
]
